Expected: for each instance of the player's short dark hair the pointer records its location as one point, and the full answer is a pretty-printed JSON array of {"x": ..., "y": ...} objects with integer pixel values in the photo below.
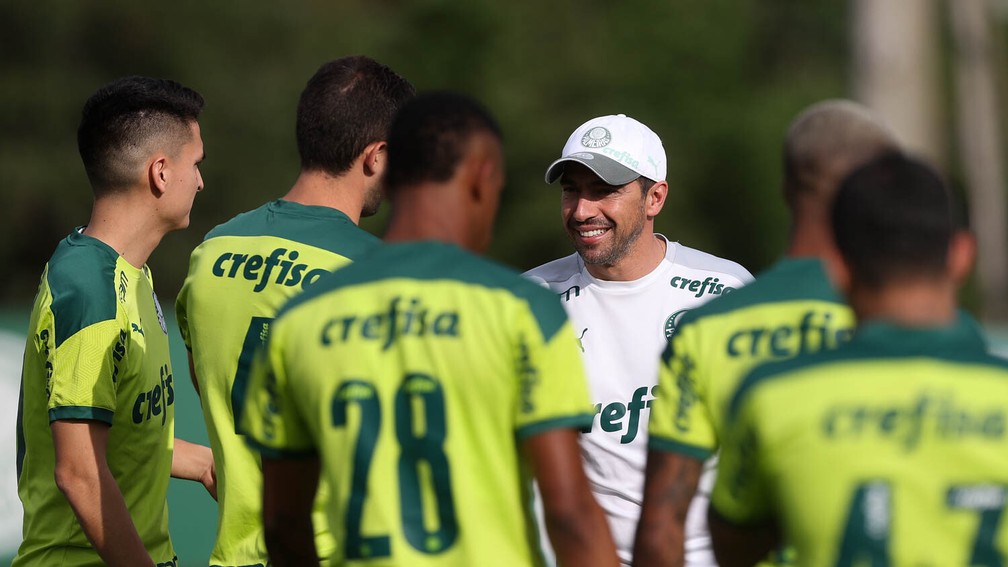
[
  {"x": 429, "y": 135},
  {"x": 893, "y": 219},
  {"x": 122, "y": 118},
  {"x": 645, "y": 184},
  {"x": 348, "y": 104}
]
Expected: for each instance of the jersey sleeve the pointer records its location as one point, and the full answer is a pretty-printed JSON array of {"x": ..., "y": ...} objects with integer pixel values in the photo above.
[
  {"x": 272, "y": 418},
  {"x": 680, "y": 420},
  {"x": 84, "y": 366},
  {"x": 742, "y": 492},
  {"x": 553, "y": 387}
]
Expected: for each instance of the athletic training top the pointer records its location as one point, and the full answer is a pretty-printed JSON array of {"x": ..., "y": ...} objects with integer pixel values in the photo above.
[
  {"x": 623, "y": 328},
  {"x": 890, "y": 450},
  {"x": 97, "y": 350},
  {"x": 414, "y": 374},
  {"x": 238, "y": 278}
]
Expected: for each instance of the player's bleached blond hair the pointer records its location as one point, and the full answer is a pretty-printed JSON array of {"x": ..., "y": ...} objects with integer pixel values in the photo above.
[{"x": 825, "y": 142}]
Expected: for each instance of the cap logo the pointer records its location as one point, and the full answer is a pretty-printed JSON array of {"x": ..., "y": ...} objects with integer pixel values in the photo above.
[{"x": 597, "y": 137}]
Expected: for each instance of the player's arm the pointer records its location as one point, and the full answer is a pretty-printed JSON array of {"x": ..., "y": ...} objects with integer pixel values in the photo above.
[
  {"x": 83, "y": 476},
  {"x": 736, "y": 545},
  {"x": 289, "y": 487},
  {"x": 669, "y": 487},
  {"x": 575, "y": 522},
  {"x": 191, "y": 461}
]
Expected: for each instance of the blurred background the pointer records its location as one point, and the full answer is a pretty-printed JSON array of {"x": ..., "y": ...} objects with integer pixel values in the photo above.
[{"x": 718, "y": 80}]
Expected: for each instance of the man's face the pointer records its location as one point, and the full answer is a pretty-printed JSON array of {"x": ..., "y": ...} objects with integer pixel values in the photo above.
[
  {"x": 186, "y": 179},
  {"x": 603, "y": 221}
]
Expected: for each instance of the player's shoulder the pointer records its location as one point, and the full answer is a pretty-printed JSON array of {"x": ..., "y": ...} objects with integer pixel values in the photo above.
[
  {"x": 555, "y": 272},
  {"x": 692, "y": 258},
  {"x": 786, "y": 281},
  {"x": 321, "y": 227},
  {"x": 81, "y": 279},
  {"x": 445, "y": 264}
]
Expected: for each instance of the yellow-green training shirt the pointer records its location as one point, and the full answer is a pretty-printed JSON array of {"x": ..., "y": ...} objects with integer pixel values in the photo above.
[
  {"x": 240, "y": 275},
  {"x": 97, "y": 349},
  {"x": 413, "y": 374},
  {"x": 790, "y": 309},
  {"x": 890, "y": 450}
]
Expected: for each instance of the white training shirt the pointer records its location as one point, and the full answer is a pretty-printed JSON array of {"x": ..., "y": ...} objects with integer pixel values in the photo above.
[{"x": 623, "y": 327}]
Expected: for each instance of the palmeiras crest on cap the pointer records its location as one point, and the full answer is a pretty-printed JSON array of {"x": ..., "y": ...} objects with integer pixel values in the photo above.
[{"x": 597, "y": 137}]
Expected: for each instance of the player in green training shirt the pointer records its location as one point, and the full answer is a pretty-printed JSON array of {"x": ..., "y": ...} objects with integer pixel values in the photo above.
[
  {"x": 248, "y": 267},
  {"x": 95, "y": 444},
  {"x": 426, "y": 384},
  {"x": 892, "y": 449},
  {"x": 790, "y": 309}
]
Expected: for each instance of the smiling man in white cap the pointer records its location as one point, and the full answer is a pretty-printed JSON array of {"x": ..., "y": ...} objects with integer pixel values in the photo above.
[{"x": 624, "y": 289}]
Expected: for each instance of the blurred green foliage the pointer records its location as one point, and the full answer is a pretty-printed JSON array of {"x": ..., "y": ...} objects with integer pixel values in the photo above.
[{"x": 717, "y": 79}]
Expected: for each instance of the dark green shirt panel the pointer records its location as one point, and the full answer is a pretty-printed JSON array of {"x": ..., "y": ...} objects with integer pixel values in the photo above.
[
  {"x": 321, "y": 227},
  {"x": 960, "y": 342},
  {"x": 430, "y": 260},
  {"x": 81, "y": 279}
]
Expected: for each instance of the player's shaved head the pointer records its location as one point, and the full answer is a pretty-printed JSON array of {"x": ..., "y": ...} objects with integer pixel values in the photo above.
[
  {"x": 827, "y": 141},
  {"x": 124, "y": 122}
]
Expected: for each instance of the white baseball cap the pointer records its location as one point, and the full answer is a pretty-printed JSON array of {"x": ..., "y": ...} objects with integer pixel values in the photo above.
[{"x": 617, "y": 148}]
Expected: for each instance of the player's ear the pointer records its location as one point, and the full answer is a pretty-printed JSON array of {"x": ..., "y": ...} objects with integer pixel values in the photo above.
[
  {"x": 375, "y": 158},
  {"x": 961, "y": 254},
  {"x": 157, "y": 174},
  {"x": 655, "y": 198}
]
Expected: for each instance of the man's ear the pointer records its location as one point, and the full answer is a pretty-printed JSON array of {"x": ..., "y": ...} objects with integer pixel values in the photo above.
[
  {"x": 375, "y": 158},
  {"x": 655, "y": 199},
  {"x": 157, "y": 174},
  {"x": 961, "y": 254}
]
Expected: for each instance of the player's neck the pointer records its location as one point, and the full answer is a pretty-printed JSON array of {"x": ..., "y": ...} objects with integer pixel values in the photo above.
[
  {"x": 811, "y": 235},
  {"x": 344, "y": 193},
  {"x": 643, "y": 257},
  {"x": 131, "y": 230},
  {"x": 428, "y": 212},
  {"x": 908, "y": 304}
]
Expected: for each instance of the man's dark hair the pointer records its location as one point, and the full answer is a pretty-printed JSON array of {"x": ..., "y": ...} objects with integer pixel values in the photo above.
[
  {"x": 429, "y": 135},
  {"x": 121, "y": 120},
  {"x": 348, "y": 104},
  {"x": 893, "y": 219}
]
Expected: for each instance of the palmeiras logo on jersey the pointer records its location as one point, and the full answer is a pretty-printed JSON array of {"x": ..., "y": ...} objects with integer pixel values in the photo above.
[
  {"x": 672, "y": 322},
  {"x": 160, "y": 314},
  {"x": 597, "y": 137}
]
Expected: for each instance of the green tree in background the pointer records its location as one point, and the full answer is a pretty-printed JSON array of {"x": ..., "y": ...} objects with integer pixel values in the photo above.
[{"x": 718, "y": 80}]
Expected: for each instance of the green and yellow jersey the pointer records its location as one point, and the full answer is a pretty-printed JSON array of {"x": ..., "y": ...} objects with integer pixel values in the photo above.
[
  {"x": 97, "y": 349},
  {"x": 891, "y": 450},
  {"x": 790, "y": 309},
  {"x": 413, "y": 374},
  {"x": 238, "y": 278}
]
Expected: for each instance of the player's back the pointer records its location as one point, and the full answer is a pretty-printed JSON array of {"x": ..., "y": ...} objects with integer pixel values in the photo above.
[
  {"x": 889, "y": 451},
  {"x": 418, "y": 370},
  {"x": 238, "y": 278},
  {"x": 788, "y": 310}
]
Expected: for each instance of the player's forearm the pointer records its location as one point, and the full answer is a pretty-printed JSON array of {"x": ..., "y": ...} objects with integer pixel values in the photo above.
[
  {"x": 98, "y": 503},
  {"x": 191, "y": 461},
  {"x": 290, "y": 541},
  {"x": 580, "y": 536},
  {"x": 668, "y": 491},
  {"x": 659, "y": 543}
]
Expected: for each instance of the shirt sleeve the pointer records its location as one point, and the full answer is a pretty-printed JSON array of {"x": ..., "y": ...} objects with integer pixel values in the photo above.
[
  {"x": 272, "y": 418},
  {"x": 84, "y": 370},
  {"x": 742, "y": 493},
  {"x": 680, "y": 419},
  {"x": 553, "y": 387}
]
